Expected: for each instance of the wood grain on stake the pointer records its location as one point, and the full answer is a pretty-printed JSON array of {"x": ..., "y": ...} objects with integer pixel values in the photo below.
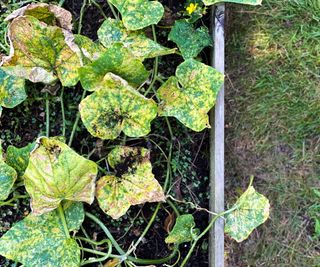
[{"x": 216, "y": 248}]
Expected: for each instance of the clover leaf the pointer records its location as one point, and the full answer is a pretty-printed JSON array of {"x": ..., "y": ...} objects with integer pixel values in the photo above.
[
  {"x": 55, "y": 173},
  {"x": 42, "y": 241},
  {"x": 250, "y": 210},
  {"x": 190, "y": 94},
  {"x": 183, "y": 230},
  {"x": 132, "y": 183},
  {"x": 113, "y": 31},
  {"x": 138, "y": 14},
  {"x": 41, "y": 53},
  {"x": 189, "y": 40},
  {"x": 114, "y": 107},
  {"x": 12, "y": 91},
  {"x": 246, "y": 2},
  {"x": 117, "y": 60}
]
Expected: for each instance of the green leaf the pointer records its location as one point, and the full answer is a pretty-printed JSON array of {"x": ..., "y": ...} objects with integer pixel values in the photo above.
[
  {"x": 40, "y": 241},
  {"x": 43, "y": 55},
  {"x": 189, "y": 40},
  {"x": 183, "y": 230},
  {"x": 12, "y": 91},
  {"x": 133, "y": 182},
  {"x": 18, "y": 158},
  {"x": 90, "y": 50},
  {"x": 117, "y": 60},
  {"x": 138, "y": 14},
  {"x": 74, "y": 213},
  {"x": 250, "y": 211},
  {"x": 191, "y": 94},
  {"x": 114, "y": 107},
  {"x": 113, "y": 31},
  {"x": 56, "y": 173},
  {"x": 246, "y": 2}
]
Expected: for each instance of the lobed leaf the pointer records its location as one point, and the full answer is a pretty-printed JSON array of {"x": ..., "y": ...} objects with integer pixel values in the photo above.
[
  {"x": 247, "y": 2},
  {"x": 138, "y": 14},
  {"x": 113, "y": 31},
  {"x": 12, "y": 91},
  {"x": 41, "y": 241},
  {"x": 251, "y": 210},
  {"x": 114, "y": 107},
  {"x": 43, "y": 55},
  {"x": 117, "y": 60},
  {"x": 56, "y": 173},
  {"x": 133, "y": 182},
  {"x": 190, "y": 41},
  {"x": 190, "y": 94},
  {"x": 183, "y": 230}
]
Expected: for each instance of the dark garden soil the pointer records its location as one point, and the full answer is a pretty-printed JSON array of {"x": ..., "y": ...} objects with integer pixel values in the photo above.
[{"x": 190, "y": 156}]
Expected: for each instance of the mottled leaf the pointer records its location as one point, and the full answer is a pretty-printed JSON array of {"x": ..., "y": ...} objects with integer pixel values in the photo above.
[
  {"x": 138, "y": 14},
  {"x": 56, "y": 173},
  {"x": 74, "y": 213},
  {"x": 190, "y": 94},
  {"x": 117, "y": 60},
  {"x": 190, "y": 40},
  {"x": 250, "y": 210},
  {"x": 50, "y": 14},
  {"x": 183, "y": 230},
  {"x": 114, "y": 107},
  {"x": 44, "y": 54},
  {"x": 18, "y": 158},
  {"x": 247, "y": 2},
  {"x": 113, "y": 31},
  {"x": 132, "y": 183},
  {"x": 90, "y": 50},
  {"x": 40, "y": 241},
  {"x": 7, "y": 178},
  {"x": 12, "y": 91}
]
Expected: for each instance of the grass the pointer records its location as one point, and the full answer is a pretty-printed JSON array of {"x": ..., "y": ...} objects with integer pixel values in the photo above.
[{"x": 273, "y": 120}]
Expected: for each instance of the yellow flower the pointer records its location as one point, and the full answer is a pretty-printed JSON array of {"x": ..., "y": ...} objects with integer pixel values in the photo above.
[{"x": 191, "y": 8}]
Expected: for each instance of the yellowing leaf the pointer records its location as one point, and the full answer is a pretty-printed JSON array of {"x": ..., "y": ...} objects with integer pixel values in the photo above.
[
  {"x": 90, "y": 50},
  {"x": 50, "y": 14},
  {"x": 183, "y": 230},
  {"x": 191, "y": 94},
  {"x": 132, "y": 183},
  {"x": 251, "y": 210},
  {"x": 41, "y": 53},
  {"x": 247, "y": 2},
  {"x": 56, "y": 173},
  {"x": 114, "y": 107},
  {"x": 7, "y": 178},
  {"x": 12, "y": 91},
  {"x": 138, "y": 14},
  {"x": 113, "y": 31},
  {"x": 41, "y": 241},
  {"x": 117, "y": 60}
]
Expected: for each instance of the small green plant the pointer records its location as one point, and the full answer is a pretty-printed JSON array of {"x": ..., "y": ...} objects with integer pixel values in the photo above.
[{"x": 58, "y": 179}]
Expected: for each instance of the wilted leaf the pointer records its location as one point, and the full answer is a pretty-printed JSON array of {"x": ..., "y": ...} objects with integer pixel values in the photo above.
[
  {"x": 251, "y": 210},
  {"x": 247, "y": 2},
  {"x": 113, "y": 31},
  {"x": 191, "y": 94},
  {"x": 50, "y": 14},
  {"x": 114, "y": 107},
  {"x": 112, "y": 263},
  {"x": 138, "y": 14},
  {"x": 12, "y": 91},
  {"x": 44, "y": 54},
  {"x": 117, "y": 60},
  {"x": 133, "y": 182},
  {"x": 40, "y": 241},
  {"x": 18, "y": 158},
  {"x": 183, "y": 230},
  {"x": 189, "y": 40},
  {"x": 55, "y": 173},
  {"x": 89, "y": 49}
]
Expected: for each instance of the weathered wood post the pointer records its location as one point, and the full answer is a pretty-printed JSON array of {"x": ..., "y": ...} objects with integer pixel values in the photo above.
[{"x": 216, "y": 237}]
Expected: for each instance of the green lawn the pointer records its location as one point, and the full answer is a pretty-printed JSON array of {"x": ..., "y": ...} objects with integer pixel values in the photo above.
[{"x": 273, "y": 126}]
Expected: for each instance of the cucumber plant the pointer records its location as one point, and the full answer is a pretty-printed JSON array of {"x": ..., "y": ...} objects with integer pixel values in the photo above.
[{"x": 112, "y": 73}]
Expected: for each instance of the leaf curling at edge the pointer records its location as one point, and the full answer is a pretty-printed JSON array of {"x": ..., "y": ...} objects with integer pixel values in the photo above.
[
  {"x": 45, "y": 54},
  {"x": 133, "y": 182},
  {"x": 55, "y": 173}
]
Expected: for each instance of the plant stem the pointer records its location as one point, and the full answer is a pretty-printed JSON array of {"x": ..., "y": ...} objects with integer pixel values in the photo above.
[
  {"x": 102, "y": 258},
  {"x": 113, "y": 11},
  {"x": 63, "y": 220},
  {"x": 8, "y": 202},
  {"x": 100, "y": 9},
  {"x": 84, "y": 3},
  {"x": 153, "y": 261},
  {"x": 61, "y": 2},
  {"x": 176, "y": 211},
  {"x": 107, "y": 232},
  {"x": 47, "y": 115},
  {"x": 75, "y": 125},
  {"x": 63, "y": 113}
]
